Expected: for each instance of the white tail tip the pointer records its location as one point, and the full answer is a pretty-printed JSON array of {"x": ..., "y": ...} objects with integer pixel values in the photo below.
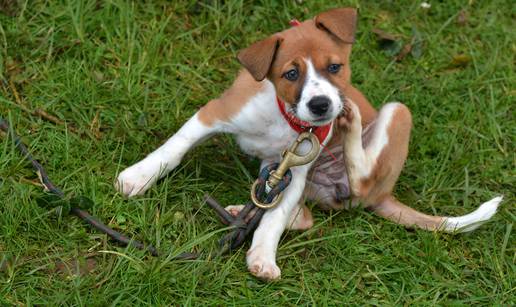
[{"x": 474, "y": 219}]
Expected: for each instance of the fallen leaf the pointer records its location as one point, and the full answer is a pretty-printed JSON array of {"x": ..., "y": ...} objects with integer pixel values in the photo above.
[
  {"x": 4, "y": 265},
  {"x": 462, "y": 18},
  {"x": 382, "y": 35},
  {"x": 403, "y": 53},
  {"x": 460, "y": 60},
  {"x": 390, "y": 44},
  {"x": 75, "y": 267}
]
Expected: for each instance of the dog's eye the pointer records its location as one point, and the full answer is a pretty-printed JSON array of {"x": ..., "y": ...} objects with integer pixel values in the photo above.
[
  {"x": 291, "y": 75},
  {"x": 334, "y": 68}
]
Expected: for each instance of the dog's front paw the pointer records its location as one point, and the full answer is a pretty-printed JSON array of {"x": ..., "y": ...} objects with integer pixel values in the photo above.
[
  {"x": 261, "y": 265},
  {"x": 137, "y": 179}
]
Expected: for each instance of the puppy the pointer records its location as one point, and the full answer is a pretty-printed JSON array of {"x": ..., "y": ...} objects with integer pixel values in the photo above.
[{"x": 300, "y": 78}]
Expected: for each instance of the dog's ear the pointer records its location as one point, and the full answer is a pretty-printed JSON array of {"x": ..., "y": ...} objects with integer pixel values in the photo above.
[
  {"x": 339, "y": 22},
  {"x": 258, "y": 57}
]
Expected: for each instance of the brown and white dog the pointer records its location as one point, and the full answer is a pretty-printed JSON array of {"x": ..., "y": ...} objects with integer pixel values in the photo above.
[{"x": 305, "y": 71}]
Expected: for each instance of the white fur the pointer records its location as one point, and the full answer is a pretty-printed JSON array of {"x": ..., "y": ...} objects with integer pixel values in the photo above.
[
  {"x": 474, "y": 219},
  {"x": 381, "y": 137},
  {"x": 262, "y": 254},
  {"x": 362, "y": 161},
  {"x": 316, "y": 85},
  {"x": 260, "y": 129}
]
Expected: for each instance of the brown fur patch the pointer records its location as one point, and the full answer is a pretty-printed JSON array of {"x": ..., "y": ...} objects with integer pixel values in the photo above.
[
  {"x": 232, "y": 100},
  {"x": 390, "y": 162},
  {"x": 392, "y": 209}
]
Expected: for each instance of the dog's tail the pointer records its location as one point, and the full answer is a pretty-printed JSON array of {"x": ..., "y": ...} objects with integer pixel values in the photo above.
[{"x": 392, "y": 209}]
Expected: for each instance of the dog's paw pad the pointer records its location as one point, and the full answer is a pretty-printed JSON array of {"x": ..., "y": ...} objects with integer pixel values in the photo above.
[{"x": 234, "y": 210}]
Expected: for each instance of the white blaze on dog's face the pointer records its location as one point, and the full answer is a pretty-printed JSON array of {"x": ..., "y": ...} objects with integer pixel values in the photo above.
[
  {"x": 320, "y": 100},
  {"x": 308, "y": 65}
]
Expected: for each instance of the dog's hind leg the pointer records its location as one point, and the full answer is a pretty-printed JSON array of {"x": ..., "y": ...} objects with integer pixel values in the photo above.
[{"x": 374, "y": 167}]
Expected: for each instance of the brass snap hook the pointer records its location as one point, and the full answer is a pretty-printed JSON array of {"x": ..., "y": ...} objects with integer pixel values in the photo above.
[
  {"x": 289, "y": 159},
  {"x": 275, "y": 201}
]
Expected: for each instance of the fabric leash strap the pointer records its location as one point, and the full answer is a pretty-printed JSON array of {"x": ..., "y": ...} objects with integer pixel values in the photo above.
[{"x": 81, "y": 200}]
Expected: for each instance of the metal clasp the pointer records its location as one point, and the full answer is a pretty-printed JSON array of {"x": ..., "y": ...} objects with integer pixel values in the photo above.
[{"x": 289, "y": 159}]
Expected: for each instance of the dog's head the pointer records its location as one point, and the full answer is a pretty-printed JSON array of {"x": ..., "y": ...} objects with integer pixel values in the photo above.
[{"x": 308, "y": 64}]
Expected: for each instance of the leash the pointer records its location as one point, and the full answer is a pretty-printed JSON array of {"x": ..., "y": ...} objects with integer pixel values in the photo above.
[
  {"x": 266, "y": 193},
  {"x": 267, "y": 190},
  {"x": 78, "y": 205}
]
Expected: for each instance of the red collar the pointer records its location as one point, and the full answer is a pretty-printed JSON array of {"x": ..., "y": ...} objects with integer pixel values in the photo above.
[{"x": 299, "y": 126}]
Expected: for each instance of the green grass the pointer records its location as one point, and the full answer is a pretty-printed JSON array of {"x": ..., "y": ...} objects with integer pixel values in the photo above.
[{"x": 127, "y": 75}]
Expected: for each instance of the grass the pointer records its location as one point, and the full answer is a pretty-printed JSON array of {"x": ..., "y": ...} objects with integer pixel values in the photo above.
[{"x": 126, "y": 75}]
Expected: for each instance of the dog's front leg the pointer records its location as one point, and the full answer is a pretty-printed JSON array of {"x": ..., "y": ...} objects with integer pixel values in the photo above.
[
  {"x": 136, "y": 179},
  {"x": 261, "y": 257}
]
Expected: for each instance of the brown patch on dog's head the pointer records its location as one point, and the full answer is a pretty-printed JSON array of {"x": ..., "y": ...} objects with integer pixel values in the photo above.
[
  {"x": 324, "y": 40},
  {"x": 339, "y": 22}
]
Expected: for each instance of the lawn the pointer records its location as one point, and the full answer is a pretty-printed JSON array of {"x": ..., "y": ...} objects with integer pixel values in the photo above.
[{"x": 123, "y": 76}]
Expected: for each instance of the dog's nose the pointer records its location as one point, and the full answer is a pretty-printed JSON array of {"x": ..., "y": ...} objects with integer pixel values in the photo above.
[{"x": 319, "y": 105}]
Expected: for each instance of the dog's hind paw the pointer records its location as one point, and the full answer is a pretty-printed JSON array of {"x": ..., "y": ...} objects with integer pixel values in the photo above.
[
  {"x": 234, "y": 210},
  {"x": 350, "y": 119}
]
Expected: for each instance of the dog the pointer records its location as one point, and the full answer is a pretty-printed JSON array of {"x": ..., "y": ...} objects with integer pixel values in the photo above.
[{"x": 297, "y": 79}]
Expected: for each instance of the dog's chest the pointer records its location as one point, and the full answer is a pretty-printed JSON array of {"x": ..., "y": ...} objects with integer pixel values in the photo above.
[
  {"x": 267, "y": 145},
  {"x": 260, "y": 129}
]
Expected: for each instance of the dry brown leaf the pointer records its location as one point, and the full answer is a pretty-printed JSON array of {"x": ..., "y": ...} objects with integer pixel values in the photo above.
[
  {"x": 382, "y": 35},
  {"x": 460, "y": 60},
  {"x": 462, "y": 18},
  {"x": 76, "y": 267},
  {"x": 404, "y": 52}
]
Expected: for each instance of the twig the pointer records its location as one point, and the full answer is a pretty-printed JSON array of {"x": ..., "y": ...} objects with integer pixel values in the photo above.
[
  {"x": 38, "y": 112},
  {"x": 51, "y": 118},
  {"x": 15, "y": 93}
]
